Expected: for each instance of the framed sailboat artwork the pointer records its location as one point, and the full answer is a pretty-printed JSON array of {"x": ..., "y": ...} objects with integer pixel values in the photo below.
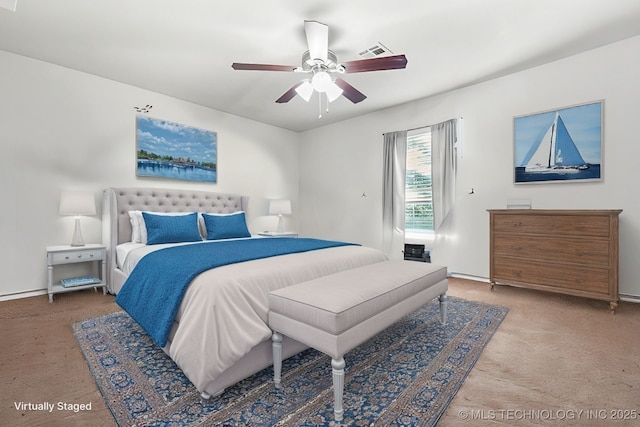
[{"x": 562, "y": 145}]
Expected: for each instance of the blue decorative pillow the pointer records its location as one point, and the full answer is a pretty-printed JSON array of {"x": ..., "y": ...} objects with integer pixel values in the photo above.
[
  {"x": 171, "y": 229},
  {"x": 230, "y": 226}
]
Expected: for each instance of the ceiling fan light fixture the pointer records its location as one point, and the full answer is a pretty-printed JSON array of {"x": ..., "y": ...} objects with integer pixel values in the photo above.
[
  {"x": 305, "y": 90},
  {"x": 321, "y": 81},
  {"x": 333, "y": 92}
]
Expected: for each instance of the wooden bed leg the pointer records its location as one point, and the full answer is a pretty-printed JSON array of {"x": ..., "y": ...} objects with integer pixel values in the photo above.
[
  {"x": 338, "y": 387},
  {"x": 443, "y": 308},
  {"x": 276, "y": 345}
]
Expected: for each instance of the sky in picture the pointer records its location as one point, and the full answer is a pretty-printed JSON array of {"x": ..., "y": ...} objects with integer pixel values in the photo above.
[{"x": 179, "y": 141}]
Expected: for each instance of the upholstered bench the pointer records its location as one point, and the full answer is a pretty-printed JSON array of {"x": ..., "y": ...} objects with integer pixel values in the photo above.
[{"x": 338, "y": 312}]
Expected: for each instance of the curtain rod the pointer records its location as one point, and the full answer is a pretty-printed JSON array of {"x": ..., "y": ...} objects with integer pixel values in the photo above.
[
  {"x": 420, "y": 127},
  {"x": 409, "y": 130}
]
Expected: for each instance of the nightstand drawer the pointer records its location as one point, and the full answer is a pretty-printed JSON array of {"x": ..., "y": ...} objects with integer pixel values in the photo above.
[{"x": 76, "y": 256}]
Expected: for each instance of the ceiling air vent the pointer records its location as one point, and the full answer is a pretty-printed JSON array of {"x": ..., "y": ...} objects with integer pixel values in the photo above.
[{"x": 375, "y": 51}]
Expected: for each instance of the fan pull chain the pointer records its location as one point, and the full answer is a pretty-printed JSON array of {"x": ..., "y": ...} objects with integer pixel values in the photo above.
[{"x": 320, "y": 105}]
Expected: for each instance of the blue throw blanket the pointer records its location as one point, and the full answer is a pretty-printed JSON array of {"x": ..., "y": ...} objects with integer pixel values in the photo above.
[{"x": 153, "y": 291}]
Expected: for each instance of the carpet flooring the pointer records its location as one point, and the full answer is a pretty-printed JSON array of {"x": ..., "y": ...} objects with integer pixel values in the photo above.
[
  {"x": 551, "y": 355},
  {"x": 406, "y": 375}
]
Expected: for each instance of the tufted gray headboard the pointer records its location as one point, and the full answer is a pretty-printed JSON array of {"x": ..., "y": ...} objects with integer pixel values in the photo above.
[{"x": 117, "y": 202}]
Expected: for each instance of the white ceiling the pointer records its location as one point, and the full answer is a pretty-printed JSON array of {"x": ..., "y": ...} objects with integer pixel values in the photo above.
[{"x": 184, "y": 48}]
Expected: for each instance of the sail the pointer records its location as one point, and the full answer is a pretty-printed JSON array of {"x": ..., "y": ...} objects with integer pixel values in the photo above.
[
  {"x": 540, "y": 158},
  {"x": 566, "y": 153},
  {"x": 554, "y": 150}
]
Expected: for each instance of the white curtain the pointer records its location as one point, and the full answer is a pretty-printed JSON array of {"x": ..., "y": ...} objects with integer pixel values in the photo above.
[
  {"x": 444, "y": 165},
  {"x": 394, "y": 175}
]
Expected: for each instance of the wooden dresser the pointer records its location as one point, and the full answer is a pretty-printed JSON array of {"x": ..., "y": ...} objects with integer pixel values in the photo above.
[{"x": 573, "y": 252}]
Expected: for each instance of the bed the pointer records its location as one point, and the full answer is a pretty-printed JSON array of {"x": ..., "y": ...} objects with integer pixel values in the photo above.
[{"x": 218, "y": 334}]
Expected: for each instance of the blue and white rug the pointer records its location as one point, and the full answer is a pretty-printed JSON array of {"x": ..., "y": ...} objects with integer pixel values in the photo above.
[{"x": 405, "y": 376}]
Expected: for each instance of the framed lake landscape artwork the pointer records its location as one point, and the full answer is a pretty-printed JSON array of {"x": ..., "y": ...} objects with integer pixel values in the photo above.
[
  {"x": 172, "y": 150},
  {"x": 563, "y": 145}
]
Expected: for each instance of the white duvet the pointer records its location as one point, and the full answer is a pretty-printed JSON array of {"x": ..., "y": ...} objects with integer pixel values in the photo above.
[{"x": 223, "y": 314}]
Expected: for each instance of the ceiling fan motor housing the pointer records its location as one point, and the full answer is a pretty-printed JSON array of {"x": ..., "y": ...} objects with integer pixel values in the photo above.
[{"x": 330, "y": 65}]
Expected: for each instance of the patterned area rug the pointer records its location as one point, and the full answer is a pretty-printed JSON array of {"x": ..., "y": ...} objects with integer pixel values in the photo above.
[{"x": 405, "y": 376}]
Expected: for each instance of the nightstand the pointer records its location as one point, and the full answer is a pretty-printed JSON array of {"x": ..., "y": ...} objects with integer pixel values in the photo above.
[
  {"x": 276, "y": 234},
  {"x": 57, "y": 255}
]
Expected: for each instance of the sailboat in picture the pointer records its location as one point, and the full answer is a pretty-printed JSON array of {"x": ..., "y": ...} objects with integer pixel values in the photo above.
[{"x": 555, "y": 152}]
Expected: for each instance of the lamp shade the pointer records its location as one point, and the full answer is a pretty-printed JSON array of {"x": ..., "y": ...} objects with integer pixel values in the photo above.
[
  {"x": 77, "y": 203},
  {"x": 305, "y": 90},
  {"x": 333, "y": 92},
  {"x": 280, "y": 207}
]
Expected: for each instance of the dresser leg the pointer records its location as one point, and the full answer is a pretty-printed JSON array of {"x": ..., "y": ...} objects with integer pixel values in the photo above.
[
  {"x": 493, "y": 284},
  {"x": 614, "y": 306}
]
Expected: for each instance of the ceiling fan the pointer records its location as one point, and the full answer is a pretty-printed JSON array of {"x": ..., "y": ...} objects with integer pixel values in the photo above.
[{"x": 321, "y": 63}]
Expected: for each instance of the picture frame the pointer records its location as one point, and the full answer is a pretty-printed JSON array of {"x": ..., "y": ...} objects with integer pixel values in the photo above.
[
  {"x": 560, "y": 145},
  {"x": 171, "y": 150}
]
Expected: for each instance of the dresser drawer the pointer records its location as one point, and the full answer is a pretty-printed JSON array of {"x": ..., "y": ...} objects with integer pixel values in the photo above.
[
  {"x": 576, "y": 225},
  {"x": 588, "y": 279},
  {"x": 76, "y": 256},
  {"x": 589, "y": 251}
]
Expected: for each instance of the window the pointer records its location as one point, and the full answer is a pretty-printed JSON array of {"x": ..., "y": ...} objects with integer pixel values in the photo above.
[{"x": 418, "y": 189}]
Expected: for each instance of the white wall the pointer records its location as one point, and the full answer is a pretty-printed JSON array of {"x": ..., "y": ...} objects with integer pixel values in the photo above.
[
  {"x": 339, "y": 162},
  {"x": 62, "y": 129}
]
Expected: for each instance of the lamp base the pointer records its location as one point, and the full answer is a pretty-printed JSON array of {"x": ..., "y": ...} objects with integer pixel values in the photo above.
[
  {"x": 77, "y": 239},
  {"x": 279, "y": 229}
]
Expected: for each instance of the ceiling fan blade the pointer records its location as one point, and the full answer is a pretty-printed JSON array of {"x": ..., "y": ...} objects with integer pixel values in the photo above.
[
  {"x": 288, "y": 95},
  {"x": 317, "y": 39},
  {"x": 9, "y": 4},
  {"x": 376, "y": 64},
  {"x": 262, "y": 67},
  {"x": 350, "y": 92}
]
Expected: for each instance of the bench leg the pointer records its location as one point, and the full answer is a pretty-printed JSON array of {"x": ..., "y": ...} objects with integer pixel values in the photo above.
[
  {"x": 207, "y": 396},
  {"x": 443, "y": 308},
  {"x": 338, "y": 387},
  {"x": 276, "y": 345}
]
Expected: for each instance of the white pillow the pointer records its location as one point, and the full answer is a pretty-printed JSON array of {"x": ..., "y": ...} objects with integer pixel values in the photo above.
[
  {"x": 139, "y": 230},
  {"x": 135, "y": 217}
]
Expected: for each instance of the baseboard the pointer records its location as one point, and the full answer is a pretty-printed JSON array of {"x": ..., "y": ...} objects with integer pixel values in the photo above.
[
  {"x": 626, "y": 298},
  {"x": 26, "y": 294},
  {"x": 469, "y": 277},
  {"x": 630, "y": 298}
]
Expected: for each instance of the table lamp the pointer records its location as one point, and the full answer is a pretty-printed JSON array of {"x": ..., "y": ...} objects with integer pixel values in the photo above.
[
  {"x": 280, "y": 207},
  {"x": 77, "y": 203}
]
